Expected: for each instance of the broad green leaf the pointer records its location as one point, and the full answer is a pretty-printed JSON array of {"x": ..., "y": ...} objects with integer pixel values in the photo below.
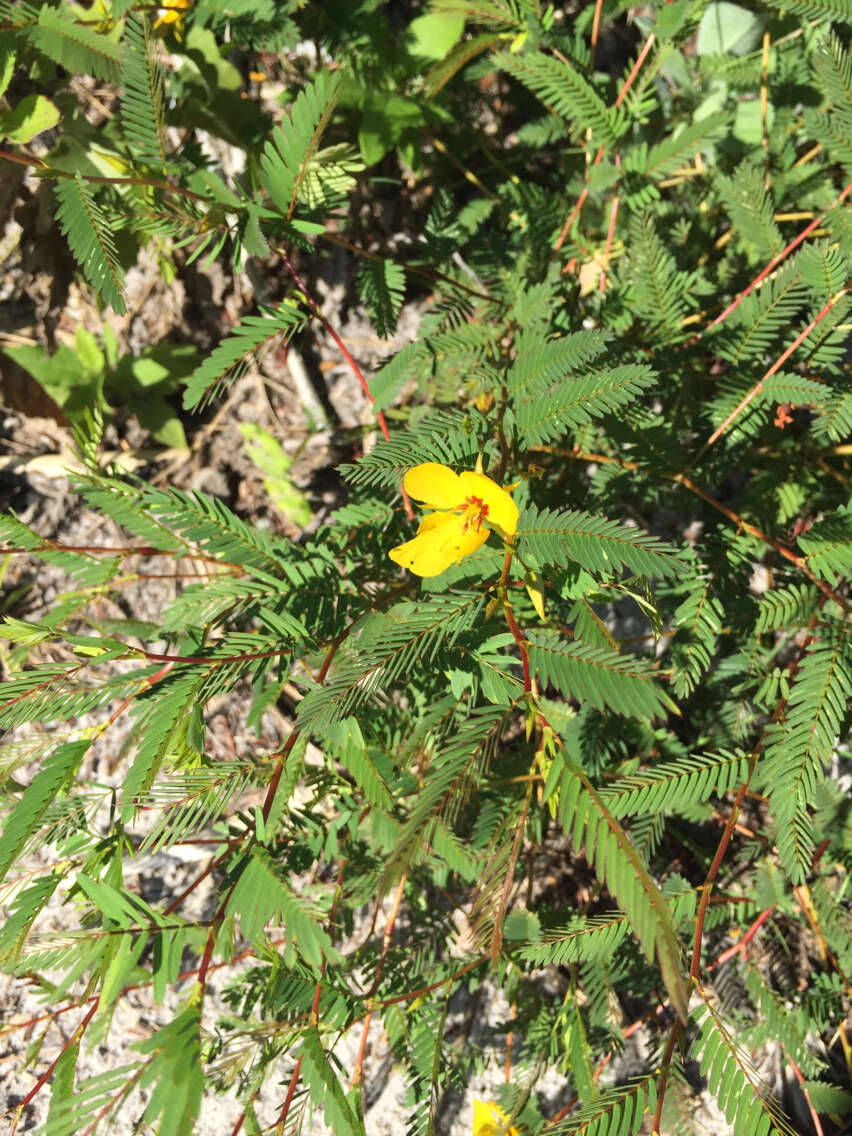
[
  {"x": 267, "y": 453},
  {"x": 727, "y": 28},
  {"x": 431, "y": 36},
  {"x": 30, "y": 117}
]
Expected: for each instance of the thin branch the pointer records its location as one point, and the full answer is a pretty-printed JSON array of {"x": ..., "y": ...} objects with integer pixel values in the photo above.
[
  {"x": 622, "y": 94},
  {"x": 610, "y": 233},
  {"x": 387, "y": 939},
  {"x": 773, "y": 264},
  {"x": 47, "y": 1074},
  {"x": 353, "y": 366},
  {"x": 800, "y": 1077},
  {"x": 740, "y": 522},
  {"x": 741, "y": 944},
  {"x": 776, "y": 366}
]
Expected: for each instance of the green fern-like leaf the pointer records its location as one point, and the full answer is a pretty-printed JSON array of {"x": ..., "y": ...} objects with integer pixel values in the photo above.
[
  {"x": 751, "y": 210},
  {"x": 50, "y": 693},
  {"x": 823, "y": 269},
  {"x": 785, "y": 608},
  {"x": 142, "y": 112},
  {"x": 597, "y": 675},
  {"x": 732, "y": 1080},
  {"x": 162, "y": 726},
  {"x": 92, "y": 1098},
  {"x": 800, "y": 748},
  {"x": 827, "y": 545},
  {"x": 835, "y": 923},
  {"x": 291, "y": 152},
  {"x": 676, "y": 150},
  {"x": 564, "y": 90},
  {"x": 55, "y": 775},
  {"x": 589, "y": 823},
  {"x": 833, "y": 131},
  {"x": 676, "y": 784},
  {"x": 83, "y": 223},
  {"x": 835, "y": 420},
  {"x": 582, "y": 939},
  {"x": 698, "y": 620},
  {"x": 778, "y": 1019},
  {"x": 660, "y": 289},
  {"x": 451, "y": 437},
  {"x": 833, "y": 64},
  {"x": 234, "y": 354},
  {"x": 190, "y": 801},
  {"x": 407, "y": 636},
  {"x": 174, "y": 1072},
  {"x": 75, "y": 46},
  {"x": 540, "y": 362},
  {"x": 325, "y": 1089},
  {"x": 764, "y": 316},
  {"x": 389, "y": 380},
  {"x": 469, "y": 743},
  {"x": 815, "y": 9},
  {"x": 22, "y": 912},
  {"x": 615, "y": 1112},
  {"x": 260, "y": 896},
  {"x": 381, "y": 285},
  {"x": 207, "y": 524},
  {"x": 595, "y": 543},
  {"x": 547, "y": 414}
]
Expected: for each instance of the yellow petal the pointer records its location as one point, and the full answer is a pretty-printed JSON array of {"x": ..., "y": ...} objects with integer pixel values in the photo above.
[
  {"x": 435, "y": 485},
  {"x": 502, "y": 510},
  {"x": 441, "y": 541},
  {"x": 487, "y": 1116}
]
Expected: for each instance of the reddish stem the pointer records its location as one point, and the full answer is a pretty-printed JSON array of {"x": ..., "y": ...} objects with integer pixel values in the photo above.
[
  {"x": 745, "y": 940},
  {"x": 665, "y": 1062},
  {"x": 356, "y": 370},
  {"x": 776, "y": 260},
  {"x": 315, "y": 308},
  {"x": 800, "y": 1077},
  {"x": 610, "y": 233},
  {"x": 288, "y": 1100},
  {"x": 75, "y": 1037},
  {"x": 294, "y": 1080},
  {"x": 776, "y": 366},
  {"x": 387, "y": 939},
  {"x": 710, "y": 879},
  {"x": 622, "y": 94},
  {"x": 637, "y": 66}
]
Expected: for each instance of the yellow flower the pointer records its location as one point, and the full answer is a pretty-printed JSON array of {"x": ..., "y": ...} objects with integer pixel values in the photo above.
[
  {"x": 464, "y": 504},
  {"x": 172, "y": 13},
  {"x": 489, "y": 1119}
]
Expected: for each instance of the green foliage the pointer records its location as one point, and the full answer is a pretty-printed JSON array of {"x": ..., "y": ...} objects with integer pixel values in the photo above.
[
  {"x": 291, "y": 155},
  {"x": 748, "y": 1108},
  {"x": 381, "y": 285},
  {"x": 597, "y": 675},
  {"x": 142, "y": 103},
  {"x": 564, "y": 90},
  {"x": 224, "y": 365},
  {"x": 84, "y": 224},
  {"x": 597, "y": 765}
]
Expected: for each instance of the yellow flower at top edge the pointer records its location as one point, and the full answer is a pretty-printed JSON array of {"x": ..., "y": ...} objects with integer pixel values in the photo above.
[
  {"x": 489, "y": 1119},
  {"x": 467, "y": 505},
  {"x": 172, "y": 13}
]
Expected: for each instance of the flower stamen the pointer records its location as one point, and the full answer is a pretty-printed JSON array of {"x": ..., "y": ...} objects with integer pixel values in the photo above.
[{"x": 475, "y": 512}]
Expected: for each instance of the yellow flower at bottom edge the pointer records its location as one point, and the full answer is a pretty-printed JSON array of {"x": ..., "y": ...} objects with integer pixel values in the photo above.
[
  {"x": 465, "y": 504},
  {"x": 489, "y": 1119}
]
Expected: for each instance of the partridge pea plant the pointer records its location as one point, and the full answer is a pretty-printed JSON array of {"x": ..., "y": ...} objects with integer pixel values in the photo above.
[{"x": 567, "y": 758}]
